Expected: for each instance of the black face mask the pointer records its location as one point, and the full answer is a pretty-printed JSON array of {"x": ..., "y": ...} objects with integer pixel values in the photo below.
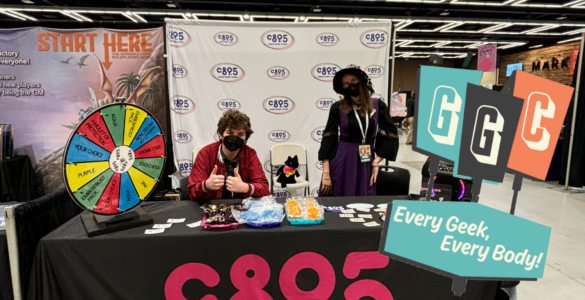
[
  {"x": 233, "y": 142},
  {"x": 352, "y": 90}
]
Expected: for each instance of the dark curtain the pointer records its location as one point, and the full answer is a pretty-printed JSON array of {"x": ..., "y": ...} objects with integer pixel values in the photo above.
[
  {"x": 34, "y": 220},
  {"x": 17, "y": 180},
  {"x": 576, "y": 173}
]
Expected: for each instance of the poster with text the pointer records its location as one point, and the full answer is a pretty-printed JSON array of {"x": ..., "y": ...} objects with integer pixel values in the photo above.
[{"x": 51, "y": 79}]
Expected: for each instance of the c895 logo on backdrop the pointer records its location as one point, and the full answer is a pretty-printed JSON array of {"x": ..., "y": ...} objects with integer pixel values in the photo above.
[
  {"x": 315, "y": 192},
  {"x": 277, "y": 39},
  {"x": 325, "y": 103},
  {"x": 225, "y": 38},
  {"x": 317, "y": 134},
  {"x": 279, "y": 136},
  {"x": 274, "y": 167},
  {"x": 185, "y": 167},
  {"x": 281, "y": 194},
  {"x": 278, "y": 73},
  {"x": 374, "y": 71},
  {"x": 325, "y": 71},
  {"x": 227, "y": 72},
  {"x": 226, "y": 104},
  {"x": 279, "y": 105},
  {"x": 375, "y": 38},
  {"x": 319, "y": 165},
  {"x": 178, "y": 37},
  {"x": 182, "y": 105},
  {"x": 327, "y": 39},
  {"x": 182, "y": 137},
  {"x": 179, "y": 71}
]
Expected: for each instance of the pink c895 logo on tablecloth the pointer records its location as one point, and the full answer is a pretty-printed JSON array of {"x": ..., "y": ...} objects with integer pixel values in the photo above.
[{"x": 252, "y": 287}]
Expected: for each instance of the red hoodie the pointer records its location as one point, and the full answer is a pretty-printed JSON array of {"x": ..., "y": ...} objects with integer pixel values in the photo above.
[{"x": 249, "y": 168}]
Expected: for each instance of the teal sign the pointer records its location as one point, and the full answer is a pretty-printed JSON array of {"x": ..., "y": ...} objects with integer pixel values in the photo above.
[
  {"x": 465, "y": 240},
  {"x": 440, "y": 106}
]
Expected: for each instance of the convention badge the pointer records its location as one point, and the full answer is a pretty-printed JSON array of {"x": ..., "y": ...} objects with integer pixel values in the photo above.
[
  {"x": 365, "y": 153},
  {"x": 346, "y": 215},
  {"x": 357, "y": 220}
]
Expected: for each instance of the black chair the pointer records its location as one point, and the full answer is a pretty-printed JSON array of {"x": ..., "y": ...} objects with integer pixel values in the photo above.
[
  {"x": 183, "y": 183},
  {"x": 392, "y": 181}
]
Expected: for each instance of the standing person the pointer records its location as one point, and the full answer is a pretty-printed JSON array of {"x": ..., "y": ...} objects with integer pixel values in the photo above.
[
  {"x": 358, "y": 124},
  {"x": 228, "y": 169},
  {"x": 410, "y": 118}
]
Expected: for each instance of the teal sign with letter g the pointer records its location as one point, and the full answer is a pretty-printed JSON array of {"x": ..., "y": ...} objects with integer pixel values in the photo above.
[{"x": 466, "y": 240}]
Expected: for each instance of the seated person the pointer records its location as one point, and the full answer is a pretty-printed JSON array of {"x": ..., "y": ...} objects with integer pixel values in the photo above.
[{"x": 228, "y": 169}]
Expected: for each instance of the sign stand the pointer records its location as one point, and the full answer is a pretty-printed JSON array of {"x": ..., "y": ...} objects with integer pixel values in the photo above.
[
  {"x": 516, "y": 186},
  {"x": 99, "y": 224},
  {"x": 433, "y": 170}
]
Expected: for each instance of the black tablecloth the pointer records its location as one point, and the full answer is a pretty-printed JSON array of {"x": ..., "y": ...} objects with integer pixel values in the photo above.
[
  {"x": 132, "y": 265},
  {"x": 5, "y": 278},
  {"x": 5, "y": 281},
  {"x": 16, "y": 180}
]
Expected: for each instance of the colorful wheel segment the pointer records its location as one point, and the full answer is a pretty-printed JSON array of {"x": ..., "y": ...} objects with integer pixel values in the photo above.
[{"x": 114, "y": 159}]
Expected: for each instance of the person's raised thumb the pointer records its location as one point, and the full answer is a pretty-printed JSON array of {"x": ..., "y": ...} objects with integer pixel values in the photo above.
[
  {"x": 214, "y": 170},
  {"x": 236, "y": 174}
]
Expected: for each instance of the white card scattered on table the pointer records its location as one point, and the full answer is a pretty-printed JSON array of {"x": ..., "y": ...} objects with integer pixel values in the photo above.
[
  {"x": 365, "y": 216},
  {"x": 154, "y": 231},
  {"x": 168, "y": 225},
  {"x": 346, "y": 215},
  {"x": 357, "y": 220},
  {"x": 371, "y": 224},
  {"x": 348, "y": 211},
  {"x": 363, "y": 210},
  {"x": 176, "y": 220},
  {"x": 380, "y": 209},
  {"x": 193, "y": 225}
]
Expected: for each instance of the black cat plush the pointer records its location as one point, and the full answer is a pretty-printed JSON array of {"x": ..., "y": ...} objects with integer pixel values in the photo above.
[{"x": 286, "y": 174}]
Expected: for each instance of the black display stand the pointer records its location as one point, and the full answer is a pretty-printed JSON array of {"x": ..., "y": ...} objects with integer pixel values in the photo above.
[{"x": 99, "y": 224}]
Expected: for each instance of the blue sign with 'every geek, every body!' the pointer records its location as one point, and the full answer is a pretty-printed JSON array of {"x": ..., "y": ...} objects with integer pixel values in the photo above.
[{"x": 465, "y": 239}]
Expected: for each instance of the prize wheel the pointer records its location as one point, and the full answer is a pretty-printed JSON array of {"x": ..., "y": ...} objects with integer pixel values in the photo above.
[{"x": 114, "y": 159}]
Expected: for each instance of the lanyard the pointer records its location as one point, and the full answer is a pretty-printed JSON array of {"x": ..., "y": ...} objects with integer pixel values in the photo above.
[{"x": 363, "y": 132}]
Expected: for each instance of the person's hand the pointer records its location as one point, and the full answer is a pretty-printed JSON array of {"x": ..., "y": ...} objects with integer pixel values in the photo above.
[
  {"x": 326, "y": 186},
  {"x": 374, "y": 174},
  {"x": 214, "y": 182},
  {"x": 235, "y": 184}
]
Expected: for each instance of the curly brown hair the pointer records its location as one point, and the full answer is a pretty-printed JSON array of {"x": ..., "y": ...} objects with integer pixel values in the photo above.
[{"x": 234, "y": 119}]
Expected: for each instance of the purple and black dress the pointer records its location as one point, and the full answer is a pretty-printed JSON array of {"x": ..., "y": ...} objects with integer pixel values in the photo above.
[{"x": 340, "y": 145}]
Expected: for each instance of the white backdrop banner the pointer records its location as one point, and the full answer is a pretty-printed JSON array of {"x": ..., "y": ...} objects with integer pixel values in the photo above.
[{"x": 279, "y": 74}]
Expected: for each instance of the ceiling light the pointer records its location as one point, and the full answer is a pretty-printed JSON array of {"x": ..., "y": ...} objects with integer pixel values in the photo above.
[
  {"x": 171, "y": 4},
  {"x": 356, "y": 19},
  {"x": 246, "y": 17},
  {"x": 445, "y": 12},
  {"x": 484, "y": 38},
  {"x": 128, "y": 13},
  {"x": 302, "y": 18},
  {"x": 562, "y": 17},
  {"x": 535, "y": 46},
  {"x": 28, "y": 2},
  {"x": 317, "y": 9},
  {"x": 188, "y": 14},
  {"x": 569, "y": 40},
  {"x": 66, "y": 12}
]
